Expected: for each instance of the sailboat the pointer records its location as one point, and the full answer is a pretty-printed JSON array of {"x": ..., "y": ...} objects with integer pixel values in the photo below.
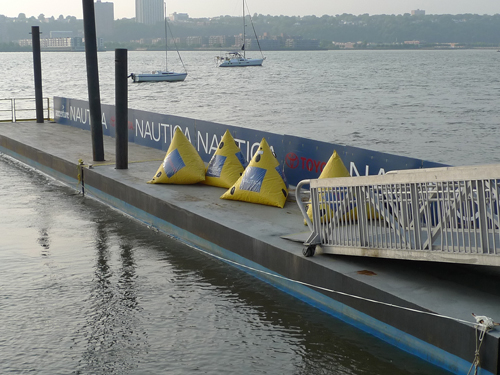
[
  {"x": 236, "y": 58},
  {"x": 162, "y": 75}
]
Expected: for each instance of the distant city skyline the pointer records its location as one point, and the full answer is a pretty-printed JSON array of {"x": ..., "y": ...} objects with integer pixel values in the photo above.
[{"x": 214, "y": 8}]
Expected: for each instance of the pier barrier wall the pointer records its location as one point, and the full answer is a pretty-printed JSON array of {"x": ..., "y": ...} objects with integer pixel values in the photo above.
[{"x": 301, "y": 158}]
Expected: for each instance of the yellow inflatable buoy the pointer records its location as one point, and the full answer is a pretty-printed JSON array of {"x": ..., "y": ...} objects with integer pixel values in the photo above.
[
  {"x": 329, "y": 205},
  {"x": 334, "y": 168},
  {"x": 182, "y": 164},
  {"x": 226, "y": 165},
  {"x": 262, "y": 181}
]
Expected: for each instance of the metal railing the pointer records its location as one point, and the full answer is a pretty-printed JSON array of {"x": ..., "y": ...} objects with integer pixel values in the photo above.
[
  {"x": 442, "y": 214},
  {"x": 22, "y": 109}
]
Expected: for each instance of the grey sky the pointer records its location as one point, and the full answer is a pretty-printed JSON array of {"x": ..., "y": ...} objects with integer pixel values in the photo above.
[{"x": 211, "y": 8}]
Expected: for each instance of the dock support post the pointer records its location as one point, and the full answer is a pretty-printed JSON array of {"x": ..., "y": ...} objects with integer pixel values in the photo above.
[
  {"x": 93, "y": 80},
  {"x": 121, "y": 108},
  {"x": 37, "y": 67}
]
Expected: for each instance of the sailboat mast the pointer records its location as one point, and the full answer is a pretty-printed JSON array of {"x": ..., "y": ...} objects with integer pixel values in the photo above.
[
  {"x": 244, "y": 51},
  {"x": 166, "y": 37}
]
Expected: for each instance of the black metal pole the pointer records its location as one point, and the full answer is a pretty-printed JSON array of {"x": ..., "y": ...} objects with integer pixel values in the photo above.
[
  {"x": 121, "y": 108},
  {"x": 93, "y": 80},
  {"x": 37, "y": 67}
]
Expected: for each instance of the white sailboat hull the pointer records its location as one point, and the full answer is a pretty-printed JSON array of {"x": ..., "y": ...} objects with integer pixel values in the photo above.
[
  {"x": 159, "y": 76},
  {"x": 240, "y": 62}
]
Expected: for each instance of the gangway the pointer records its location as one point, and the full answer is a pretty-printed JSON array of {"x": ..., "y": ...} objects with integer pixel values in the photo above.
[{"x": 445, "y": 214}]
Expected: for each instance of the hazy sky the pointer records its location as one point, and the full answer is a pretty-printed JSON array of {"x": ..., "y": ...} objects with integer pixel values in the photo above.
[{"x": 211, "y": 8}]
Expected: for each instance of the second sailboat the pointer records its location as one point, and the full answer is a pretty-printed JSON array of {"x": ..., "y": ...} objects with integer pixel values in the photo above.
[{"x": 238, "y": 59}]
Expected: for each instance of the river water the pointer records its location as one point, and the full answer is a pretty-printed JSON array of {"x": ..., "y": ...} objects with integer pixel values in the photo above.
[
  {"x": 437, "y": 105},
  {"x": 86, "y": 290}
]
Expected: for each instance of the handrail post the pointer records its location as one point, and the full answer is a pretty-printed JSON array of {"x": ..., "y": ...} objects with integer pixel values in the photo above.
[
  {"x": 298, "y": 199},
  {"x": 48, "y": 109},
  {"x": 12, "y": 110},
  {"x": 483, "y": 220},
  {"x": 362, "y": 216},
  {"x": 13, "y": 106},
  {"x": 415, "y": 212}
]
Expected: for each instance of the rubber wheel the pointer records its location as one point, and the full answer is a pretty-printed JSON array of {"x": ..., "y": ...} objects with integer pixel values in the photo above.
[{"x": 308, "y": 251}]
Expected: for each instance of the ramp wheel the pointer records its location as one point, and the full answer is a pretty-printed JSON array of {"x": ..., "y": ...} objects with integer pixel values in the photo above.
[{"x": 308, "y": 251}]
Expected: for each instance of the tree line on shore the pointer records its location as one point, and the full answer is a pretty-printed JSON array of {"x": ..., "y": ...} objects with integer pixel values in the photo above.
[{"x": 365, "y": 31}]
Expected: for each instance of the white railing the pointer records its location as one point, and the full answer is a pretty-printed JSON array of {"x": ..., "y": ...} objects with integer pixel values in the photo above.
[
  {"x": 439, "y": 214},
  {"x": 22, "y": 109}
]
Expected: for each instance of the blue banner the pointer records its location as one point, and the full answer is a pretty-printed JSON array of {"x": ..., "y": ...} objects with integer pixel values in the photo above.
[{"x": 301, "y": 158}]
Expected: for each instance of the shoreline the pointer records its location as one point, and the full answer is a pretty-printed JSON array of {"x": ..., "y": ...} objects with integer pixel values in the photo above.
[{"x": 277, "y": 50}]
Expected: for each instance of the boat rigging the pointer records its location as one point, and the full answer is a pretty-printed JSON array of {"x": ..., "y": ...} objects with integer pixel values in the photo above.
[{"x": 236, "y": 58}]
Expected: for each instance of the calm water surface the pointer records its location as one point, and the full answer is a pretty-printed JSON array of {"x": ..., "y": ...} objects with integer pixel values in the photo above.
[
  {"x": 86, "y": 290},
  {"x": 440, "y": 106}
]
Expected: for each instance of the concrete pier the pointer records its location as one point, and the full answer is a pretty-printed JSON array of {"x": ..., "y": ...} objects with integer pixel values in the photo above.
[{"x": 251, "y": 235}]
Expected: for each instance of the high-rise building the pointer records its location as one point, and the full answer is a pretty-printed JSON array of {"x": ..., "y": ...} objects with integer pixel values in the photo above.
[
  {"x": 104, "y": 17},
  {"x": 149, "y": 12},
  {"x": 178, "y": 17},
  {"x": 418, "y": 12}
]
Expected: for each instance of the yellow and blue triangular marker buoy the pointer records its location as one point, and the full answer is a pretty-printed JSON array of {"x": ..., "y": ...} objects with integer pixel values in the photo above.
[
  {"x": 334, "y": 168},
  {"x": 182, "y": 164},
  {"x": 226, "y": 165},
  {"x": 262, "y": 181}
]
